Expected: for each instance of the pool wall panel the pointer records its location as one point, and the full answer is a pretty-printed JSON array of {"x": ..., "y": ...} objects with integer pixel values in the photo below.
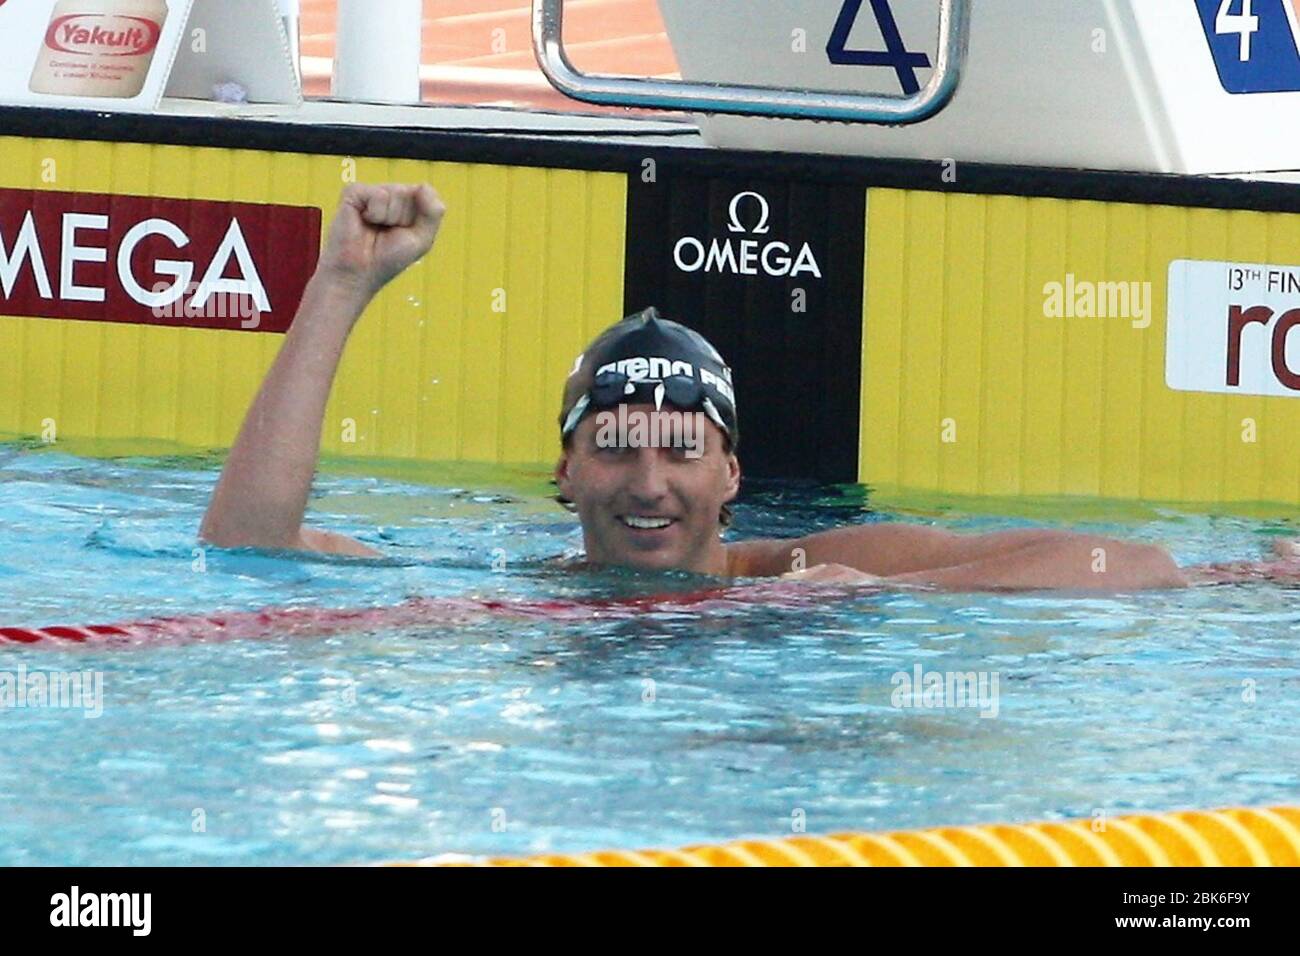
[
  {"x": 791, "y": 332},
  {"x": 460, "y": 358},
  {"x": 970, "y": 387},
  {"x": 923, "y": 364}
]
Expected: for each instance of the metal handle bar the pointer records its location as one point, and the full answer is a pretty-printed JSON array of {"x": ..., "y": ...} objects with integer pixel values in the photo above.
[{"x": 745, "y": 100}]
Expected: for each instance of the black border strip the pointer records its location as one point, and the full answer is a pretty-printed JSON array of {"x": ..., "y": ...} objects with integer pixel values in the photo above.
[{"x": 577, "y": 151}]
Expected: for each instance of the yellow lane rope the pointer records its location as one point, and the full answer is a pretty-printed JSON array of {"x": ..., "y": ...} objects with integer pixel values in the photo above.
[{"x": 1231, "y": 837}]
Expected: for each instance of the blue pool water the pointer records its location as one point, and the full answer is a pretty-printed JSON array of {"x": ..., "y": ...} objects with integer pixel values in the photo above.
[{"x": 509, "y": 736}]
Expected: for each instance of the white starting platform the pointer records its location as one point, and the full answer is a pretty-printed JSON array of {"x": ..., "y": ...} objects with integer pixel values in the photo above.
[{"x": 1178, "y": 86}]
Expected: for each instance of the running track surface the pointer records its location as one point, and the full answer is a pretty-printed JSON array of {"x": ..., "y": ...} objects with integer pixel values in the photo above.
[{"x": 461, "y": 67}]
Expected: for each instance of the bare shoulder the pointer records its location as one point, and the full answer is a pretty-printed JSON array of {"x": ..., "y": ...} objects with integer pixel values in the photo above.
[
  {"x": 761, "y": 557},
  {"x": 896, "y": 533},
  {"x": 885, "y": 547},
  {"x": 880, "y": 548}
]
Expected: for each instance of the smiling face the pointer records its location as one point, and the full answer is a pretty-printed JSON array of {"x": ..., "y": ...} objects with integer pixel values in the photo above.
[{"x": 650, "y": 507}]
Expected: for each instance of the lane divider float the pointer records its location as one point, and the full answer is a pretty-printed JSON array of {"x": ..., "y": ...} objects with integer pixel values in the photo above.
[
  {"x": 317, "y": 621},
  {"x": 1239, "y": 836}
]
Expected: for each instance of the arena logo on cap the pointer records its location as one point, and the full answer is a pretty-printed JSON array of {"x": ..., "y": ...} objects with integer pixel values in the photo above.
[
  {"x": 748, "y": 257},
  {"x": 656, "y": 368}
]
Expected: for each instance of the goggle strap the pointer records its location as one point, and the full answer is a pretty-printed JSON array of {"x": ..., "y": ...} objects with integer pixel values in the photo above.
[
  {"x": 712, "y": 411},
  {"x": 575, "y": 415}
]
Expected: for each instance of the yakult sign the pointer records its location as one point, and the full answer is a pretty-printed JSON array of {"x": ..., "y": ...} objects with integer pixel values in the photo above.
[
  {"x": 137, "y": 259},
  {"x": 113, "y": 54}
]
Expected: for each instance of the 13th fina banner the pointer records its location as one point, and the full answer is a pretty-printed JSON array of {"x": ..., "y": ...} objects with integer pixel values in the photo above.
[{"x": 103, "y": 54}]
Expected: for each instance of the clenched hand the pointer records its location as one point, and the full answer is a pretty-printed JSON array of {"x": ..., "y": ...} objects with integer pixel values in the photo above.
[{"x": 379, "y": 231}]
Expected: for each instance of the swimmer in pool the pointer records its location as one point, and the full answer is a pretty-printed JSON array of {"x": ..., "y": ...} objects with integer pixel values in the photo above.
[{"x": 642, "y": 503}]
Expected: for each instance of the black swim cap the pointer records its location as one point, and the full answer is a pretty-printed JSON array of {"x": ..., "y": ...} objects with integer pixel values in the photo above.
[{"x": 649, "y": 359}]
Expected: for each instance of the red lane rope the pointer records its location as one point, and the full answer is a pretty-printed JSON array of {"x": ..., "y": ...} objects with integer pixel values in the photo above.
[{"x": 313, "y": 621}]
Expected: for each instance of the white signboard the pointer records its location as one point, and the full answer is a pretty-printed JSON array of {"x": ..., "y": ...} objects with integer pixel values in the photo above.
[
  {"x": 126, "y": 55},
  {"x": 1230, "y": 328}
]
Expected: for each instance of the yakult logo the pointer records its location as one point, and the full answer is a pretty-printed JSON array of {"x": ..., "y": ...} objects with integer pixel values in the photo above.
[
  {"x": 103, "y": 34},
  {"x": 748, "y": 257}
]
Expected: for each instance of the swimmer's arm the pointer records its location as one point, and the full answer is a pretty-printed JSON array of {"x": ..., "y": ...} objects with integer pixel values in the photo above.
[
  {"x": 261, "y": 497},
  {"x": 1021, "y": 558},
  {"x": 262, "y": 494},
  {"x": 328, "y": 542},
  {"x": 890, "y": 548},
  {"x": 1084, "y": 562}
]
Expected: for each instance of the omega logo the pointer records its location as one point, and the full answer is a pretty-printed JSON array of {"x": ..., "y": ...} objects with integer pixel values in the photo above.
[{"x": 748, "y": 257}]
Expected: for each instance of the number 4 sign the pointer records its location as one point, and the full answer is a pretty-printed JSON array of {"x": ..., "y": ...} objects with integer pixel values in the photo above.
[
  {"x": 904, "y": 61},
  {"x": 1255, "y": 43}
]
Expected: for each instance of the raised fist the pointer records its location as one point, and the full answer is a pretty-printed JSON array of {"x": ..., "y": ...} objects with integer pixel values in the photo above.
[{"x": 379, "y": 231}]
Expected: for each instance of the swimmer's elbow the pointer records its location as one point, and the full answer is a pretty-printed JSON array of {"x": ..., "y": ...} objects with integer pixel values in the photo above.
[
  {"x": 1156, "y": 568},
  {"x": 1129, "y": 565},
  {"x": 306, "y": 539},
  {"x": 327, "y": 542},
  {"x": 222, "y": 529}
]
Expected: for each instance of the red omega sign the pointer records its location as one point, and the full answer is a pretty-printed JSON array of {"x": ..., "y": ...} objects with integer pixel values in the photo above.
[{"x": 152, "y": 261}]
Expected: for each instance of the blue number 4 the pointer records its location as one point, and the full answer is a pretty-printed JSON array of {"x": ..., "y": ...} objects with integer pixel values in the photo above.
[{"x": 904, "y": 61}]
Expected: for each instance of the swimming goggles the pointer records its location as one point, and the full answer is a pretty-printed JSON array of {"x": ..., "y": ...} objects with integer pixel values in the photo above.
[{"x": 614, "y": 388}]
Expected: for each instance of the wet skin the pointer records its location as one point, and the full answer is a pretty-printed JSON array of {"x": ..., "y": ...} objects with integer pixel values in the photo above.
[{"x": 675, "y": 493}]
